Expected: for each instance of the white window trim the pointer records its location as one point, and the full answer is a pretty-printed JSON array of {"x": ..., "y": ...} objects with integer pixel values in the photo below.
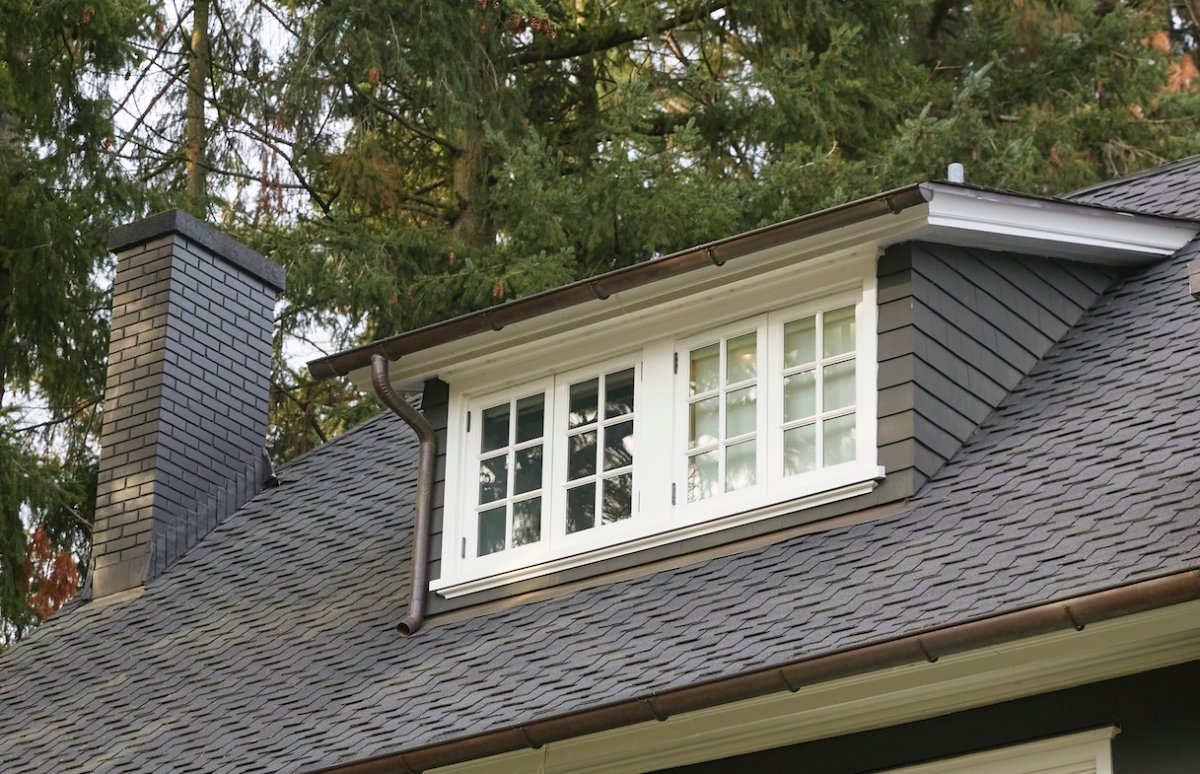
[
  {"x": 771, "y": 486},
  {"x": 1088, "y": 752},
  {"x": 468, "y": 539},
  {"x": 656, "y": 521}
]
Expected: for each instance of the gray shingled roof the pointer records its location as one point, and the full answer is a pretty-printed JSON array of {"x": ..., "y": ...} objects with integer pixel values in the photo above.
[
  {"x": 272, "y": 645},
  {"x": 1173, "y": 189}
]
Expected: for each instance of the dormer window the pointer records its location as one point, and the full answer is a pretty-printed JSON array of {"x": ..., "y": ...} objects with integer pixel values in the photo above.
[{"x": 737, "y": 417}]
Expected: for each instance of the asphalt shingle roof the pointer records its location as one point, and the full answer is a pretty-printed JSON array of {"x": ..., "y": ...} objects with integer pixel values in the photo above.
[
  {"x": 272, "y": 645},
  {"x": 1172, "y": 189}
]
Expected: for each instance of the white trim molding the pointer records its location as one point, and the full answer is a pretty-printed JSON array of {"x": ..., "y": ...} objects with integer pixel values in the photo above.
[
  {"x": 1087, "y": 752},
  {"x": 973, "y": 217}
]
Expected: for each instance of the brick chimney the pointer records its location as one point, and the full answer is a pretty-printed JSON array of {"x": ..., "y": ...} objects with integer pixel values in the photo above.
[{"x": 185, "y": 404}]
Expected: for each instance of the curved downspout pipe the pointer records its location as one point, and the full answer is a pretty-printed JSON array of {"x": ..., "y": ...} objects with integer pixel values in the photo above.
[{"x": 428, "y": 450}]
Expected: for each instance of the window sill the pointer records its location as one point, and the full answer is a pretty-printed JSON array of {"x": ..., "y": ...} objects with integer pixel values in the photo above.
[{"x": 856, "y": 481}]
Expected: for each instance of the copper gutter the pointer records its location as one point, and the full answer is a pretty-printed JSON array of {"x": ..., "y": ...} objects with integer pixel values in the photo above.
[
  {"x": 419, "y": 581},
  {"x": 605, "y": 285},
  {"x": 929, "y": 645}
]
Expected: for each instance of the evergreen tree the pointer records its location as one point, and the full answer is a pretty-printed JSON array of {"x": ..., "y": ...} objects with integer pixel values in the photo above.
[
  {"x": 60, "y": 193},
  {"x": 458, "y": 154}
]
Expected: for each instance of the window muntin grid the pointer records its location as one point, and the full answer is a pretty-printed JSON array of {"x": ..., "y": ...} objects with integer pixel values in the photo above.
[
  {"x": 819, "y": 384},
  {"x": 599, "y": 447},
  {"x": 512, "y": 471},
  {"x": 722, "y": 416}
]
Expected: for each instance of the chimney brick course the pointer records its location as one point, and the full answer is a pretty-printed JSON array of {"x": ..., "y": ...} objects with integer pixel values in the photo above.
[{"x": 182, "y": 446}]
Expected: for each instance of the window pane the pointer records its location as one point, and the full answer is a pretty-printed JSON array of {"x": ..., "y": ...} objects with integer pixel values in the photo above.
[
  {"x": 800, "y": 342},
  {"x": 491, "y": 532},
  {"x": 618, "y": 445},
  {"x": 581, "y": 459},
  {"x": 741, "y": 358},
  {"x": 495, "y": 428},
  {"x": 799, "y": 450},
  {"x": 583, "y": 402},
  {"x": 705, "y": 368},
  {"x": 799, "y": 395},
  {"x": 740, "y": 470},
  {"x": 618, "y": 498},
  {"x": 741, "y": 412},
  {"x": 527, "y": 469},
  {"x": 493, "y": 480},
  {"x": 702, "y": 476},
  {"x": 839, "y": 332},
  {"x": 839, "y": 386},
  {"x": 703, "y": 422},
  {"x": 530, "y": 422},
  {"x": 581, "y": 508},
  {"x": 839, "y": 439},
  {"x": 618, "y": 393},
  {"x": 527, "y": 521}
]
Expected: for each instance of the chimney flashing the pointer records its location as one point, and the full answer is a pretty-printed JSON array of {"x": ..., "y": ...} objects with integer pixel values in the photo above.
[{"x": 186, "y": 225}]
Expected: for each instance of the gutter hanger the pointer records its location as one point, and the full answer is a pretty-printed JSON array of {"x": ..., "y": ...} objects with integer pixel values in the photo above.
[{"x": 419, "y": 585}]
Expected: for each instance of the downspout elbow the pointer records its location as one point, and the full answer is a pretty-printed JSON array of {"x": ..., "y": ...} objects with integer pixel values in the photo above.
[{"x": 419, "y": 587}]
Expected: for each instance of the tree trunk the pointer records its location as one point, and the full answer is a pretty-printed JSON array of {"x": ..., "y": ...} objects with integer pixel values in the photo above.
[
  {"x": 199, "y": 64},
  {"x": 7, "y": 149},
  {"x": 473, "y": 227}
]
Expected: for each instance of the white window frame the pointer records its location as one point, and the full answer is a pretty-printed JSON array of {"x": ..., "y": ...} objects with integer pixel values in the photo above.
[
  {"x": 602, "y": 534},
  {"x": 771, "y": 486},
  {"x": 644, "y": 341},
  {"x": 530, "y": 552}
]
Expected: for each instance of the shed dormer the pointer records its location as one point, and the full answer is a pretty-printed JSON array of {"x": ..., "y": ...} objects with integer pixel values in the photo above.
[{"x": 801, "y": 375}]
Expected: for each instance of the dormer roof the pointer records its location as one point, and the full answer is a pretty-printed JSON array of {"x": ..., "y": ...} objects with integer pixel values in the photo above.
[{"x": 947, "y": 213}]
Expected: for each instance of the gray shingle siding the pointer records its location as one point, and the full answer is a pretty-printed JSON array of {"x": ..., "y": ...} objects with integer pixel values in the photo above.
[{"x": 958, "y": 330}]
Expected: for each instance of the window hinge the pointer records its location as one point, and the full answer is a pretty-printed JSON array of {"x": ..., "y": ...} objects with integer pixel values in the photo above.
[
  {"x": 468, "y": 421},
  {"x": 464, "y": 548},
  {"x": 676, "y": 362},
  {"x": 672, "y": 493}
]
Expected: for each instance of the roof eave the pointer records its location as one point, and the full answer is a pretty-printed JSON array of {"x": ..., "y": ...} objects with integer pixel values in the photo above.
[
  {"x": 604, "y": 285},
  {"x": 957, "y": 214},
  {"x": 928, "y": 645}
]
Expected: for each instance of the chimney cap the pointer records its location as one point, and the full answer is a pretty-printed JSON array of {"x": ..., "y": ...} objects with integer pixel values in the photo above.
[{"x": 190, "y": 227}]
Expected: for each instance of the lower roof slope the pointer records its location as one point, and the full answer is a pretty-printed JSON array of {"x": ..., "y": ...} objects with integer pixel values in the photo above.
[{"x": 272, "y": 647}]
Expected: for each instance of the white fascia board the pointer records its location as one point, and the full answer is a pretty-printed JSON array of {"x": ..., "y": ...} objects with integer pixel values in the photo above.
[
  {"x": 889, "y": 697},
  {"x": 970, "y": 217}
]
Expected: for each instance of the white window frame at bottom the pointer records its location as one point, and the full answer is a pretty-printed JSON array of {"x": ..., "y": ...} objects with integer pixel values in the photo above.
[{"x": 1087, "y": 752}]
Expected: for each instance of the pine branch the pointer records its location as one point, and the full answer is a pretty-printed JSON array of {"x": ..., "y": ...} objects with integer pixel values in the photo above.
[
  {"x": 59, "y": 420},
  {"x": 581, "y": 46}
]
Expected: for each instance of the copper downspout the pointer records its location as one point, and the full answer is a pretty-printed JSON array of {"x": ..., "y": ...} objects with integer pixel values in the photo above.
[
  {"x": 1075, "y": 613},
  {"x": 428, "y": 451}
]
